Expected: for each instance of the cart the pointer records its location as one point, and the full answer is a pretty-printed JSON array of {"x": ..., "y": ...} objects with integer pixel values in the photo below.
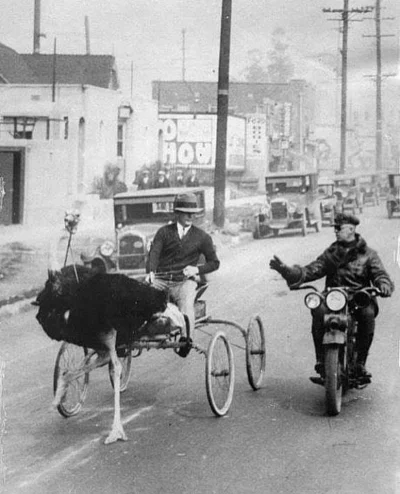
[
  {"x": 219, "y": 368},
  {"x": 219, "y": 365}
]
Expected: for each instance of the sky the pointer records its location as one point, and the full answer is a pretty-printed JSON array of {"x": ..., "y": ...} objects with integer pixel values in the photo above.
[{"x": 147, "y": 35}]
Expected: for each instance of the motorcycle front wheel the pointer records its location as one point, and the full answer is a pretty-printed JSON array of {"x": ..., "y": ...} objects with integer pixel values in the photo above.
[{"x": 333, "y": 381}]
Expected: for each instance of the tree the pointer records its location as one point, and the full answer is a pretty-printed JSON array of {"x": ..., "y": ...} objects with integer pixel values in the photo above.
[
  {"x": 281, "y": 68},
  {"x": 255, "y": 72}
]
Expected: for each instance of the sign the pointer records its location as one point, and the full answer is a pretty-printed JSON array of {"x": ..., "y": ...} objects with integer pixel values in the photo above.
[
  {"x": 187, "y": 141},
  {"x": 256, "y": 136},
  {"x": 190, "y": 140}
]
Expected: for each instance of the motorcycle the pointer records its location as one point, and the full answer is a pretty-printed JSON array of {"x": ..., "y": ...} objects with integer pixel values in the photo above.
[{"x": 339, "y": 340}]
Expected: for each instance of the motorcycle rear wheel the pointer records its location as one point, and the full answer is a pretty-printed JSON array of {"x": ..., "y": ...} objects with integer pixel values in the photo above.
[{"x": 333, "y": 381}]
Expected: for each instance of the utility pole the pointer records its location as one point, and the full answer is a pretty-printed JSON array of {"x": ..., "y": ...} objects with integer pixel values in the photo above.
[
  {"x": 379, "y": 116},
  {"x": 36, "y": 28},
  {"x": 87, "y": 35},
  {"x": 222, "y": 114},
  {"x": 183, "y": 55},
  {"x": 345, "y": 32}
]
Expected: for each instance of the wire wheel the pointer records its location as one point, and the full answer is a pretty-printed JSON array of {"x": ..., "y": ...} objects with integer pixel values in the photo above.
[
  {"x": 220, "y": 374},
  {"x": 70, "y": 357},
  {"x": 126, "y": 362},
  {"x": 255, "y": 352}
]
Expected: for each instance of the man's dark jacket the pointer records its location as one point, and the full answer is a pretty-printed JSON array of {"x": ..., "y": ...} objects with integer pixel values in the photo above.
[
  {"x": 170, "y": 253},
  {"x": 355, "y": 266}
]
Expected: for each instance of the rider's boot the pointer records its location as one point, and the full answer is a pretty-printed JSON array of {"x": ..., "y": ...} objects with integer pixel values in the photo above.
[
  {"x": 364, "y": 344},
  {"x": 319, "y": 367}
]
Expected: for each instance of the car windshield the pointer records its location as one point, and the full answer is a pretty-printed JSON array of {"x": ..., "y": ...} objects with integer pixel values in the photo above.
[
  {"x": 396, "y": 181},
  {"x": 295, "y": 185},
  {"x": 347, "y": 182}
]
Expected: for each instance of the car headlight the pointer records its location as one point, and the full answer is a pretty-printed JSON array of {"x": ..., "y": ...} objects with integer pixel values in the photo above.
[
  {"x": 312, "y": 300},
  {"x": 335, "y": 300},
  {"x": 107, "y": 248}
]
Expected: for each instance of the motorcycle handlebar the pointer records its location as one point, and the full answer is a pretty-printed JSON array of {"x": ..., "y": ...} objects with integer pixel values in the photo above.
[{"x": 370, "y": 290}]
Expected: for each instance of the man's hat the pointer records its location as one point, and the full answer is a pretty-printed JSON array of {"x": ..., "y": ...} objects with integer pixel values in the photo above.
[
  {"x": 146, "y": 171},
  {"x": 161, "y": 172},
  {"x": 186, "y": 203},
  {"x": 349, "y": 219}
]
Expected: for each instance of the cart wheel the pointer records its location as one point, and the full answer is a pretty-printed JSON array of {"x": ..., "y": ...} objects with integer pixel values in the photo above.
[
  {"x": 255, "y": 352},
  {"x": 126, "y": 362},
  {"x": 220, "y": 374},
  {"x": 70, "y": 357}
]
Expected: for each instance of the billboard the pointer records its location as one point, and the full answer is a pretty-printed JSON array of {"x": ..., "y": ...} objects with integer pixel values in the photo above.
[{"x": 190, "y": 140}]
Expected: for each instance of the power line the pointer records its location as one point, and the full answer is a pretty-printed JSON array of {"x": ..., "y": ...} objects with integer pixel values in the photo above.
[{"x": 345, "y": 19}]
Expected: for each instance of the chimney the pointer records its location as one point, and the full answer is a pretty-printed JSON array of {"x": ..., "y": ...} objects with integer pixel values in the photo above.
[{"x": 36, "y": 28}]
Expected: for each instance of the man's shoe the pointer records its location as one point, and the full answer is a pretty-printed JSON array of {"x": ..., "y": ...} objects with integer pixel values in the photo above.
[
  {"x": 320, "y": 369},
  {"x": 317, "y": 380},
  {"x": 362, "y": 371}
]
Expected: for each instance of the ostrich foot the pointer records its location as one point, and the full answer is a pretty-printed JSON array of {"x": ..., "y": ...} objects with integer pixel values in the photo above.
[{"x": 116, "y": 434}]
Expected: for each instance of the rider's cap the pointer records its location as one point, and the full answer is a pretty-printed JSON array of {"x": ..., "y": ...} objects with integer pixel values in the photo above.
[
  {"x": 186, "y": 203},
  {"x": 343, "y": 219}
]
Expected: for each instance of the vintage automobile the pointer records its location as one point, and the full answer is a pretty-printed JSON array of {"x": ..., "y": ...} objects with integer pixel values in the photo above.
[
  {"x": 292, "y": 202},
  {"x": 352, "y": 196},
  {"x": 368, "y": 185},
  {"x": 137, "y": 215},
  {"x": 393, "y": 198},
  {"x": 329, "y": 201}
]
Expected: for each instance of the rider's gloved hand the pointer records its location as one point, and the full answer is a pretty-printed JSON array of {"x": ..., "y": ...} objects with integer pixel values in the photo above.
[
  {"x": 277, "y": 265},
  {"x": 385, "y": 290},
  {"x": 290, "y": 274},
  {"x": 150, "y": 278},
  {"x": 190, "y": 271}
]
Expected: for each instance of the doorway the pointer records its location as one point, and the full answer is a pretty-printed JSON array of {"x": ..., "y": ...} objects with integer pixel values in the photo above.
[{"x": 11, "y": 169}]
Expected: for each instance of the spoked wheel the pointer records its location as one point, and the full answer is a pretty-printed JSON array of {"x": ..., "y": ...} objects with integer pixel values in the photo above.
[
  {"x": 70, "y": 357},
  {"x": 220, "y": 374},
  {"x": 126, "y": 362},
  {"x": 255, "y": 352},
  {"x": 333, "y": 381}
]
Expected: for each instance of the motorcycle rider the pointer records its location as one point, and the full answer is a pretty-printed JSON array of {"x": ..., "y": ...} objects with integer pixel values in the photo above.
[{"x": 347, "y": 262}]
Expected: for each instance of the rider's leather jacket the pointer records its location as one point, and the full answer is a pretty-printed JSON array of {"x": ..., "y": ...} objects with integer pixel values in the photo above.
[{"x": 355, "y": 266}]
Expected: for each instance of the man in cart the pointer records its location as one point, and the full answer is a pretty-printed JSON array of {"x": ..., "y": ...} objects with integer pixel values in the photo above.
[{"x": 175, "y": 253}]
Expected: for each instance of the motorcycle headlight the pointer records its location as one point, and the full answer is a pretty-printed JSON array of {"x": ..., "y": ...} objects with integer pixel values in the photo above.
[
  {"x": 312, "y": 300},
  {"x": 335, "y": 300},
  {"x": 107, "y": 248}
]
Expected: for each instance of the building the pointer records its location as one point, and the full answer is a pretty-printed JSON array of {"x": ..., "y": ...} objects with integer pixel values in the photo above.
[
  {"x": 61, "y": 119},
  {"x": 279, "y": 121}
]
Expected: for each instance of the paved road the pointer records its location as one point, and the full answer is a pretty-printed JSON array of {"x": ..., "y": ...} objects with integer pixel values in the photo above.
[{"x": 277, "y": 440}]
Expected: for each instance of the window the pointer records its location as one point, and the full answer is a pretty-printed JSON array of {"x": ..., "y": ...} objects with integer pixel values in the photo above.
[
  {"x": 120, "y": 140},
  {"x": 66, "y": 127},
  {"x": 19, "y": 127}
]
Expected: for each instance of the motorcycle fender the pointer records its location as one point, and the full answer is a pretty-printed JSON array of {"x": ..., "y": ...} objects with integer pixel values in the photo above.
[{"x": 334, "y": 337}]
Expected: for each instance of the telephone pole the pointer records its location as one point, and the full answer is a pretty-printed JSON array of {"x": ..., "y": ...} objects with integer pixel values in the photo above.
[
  {"x": 183, "y": 55},
  {"x": 222, "y": 114},
  {"x": 345, "y": 12},
  {"x": 379, "y": 116}
]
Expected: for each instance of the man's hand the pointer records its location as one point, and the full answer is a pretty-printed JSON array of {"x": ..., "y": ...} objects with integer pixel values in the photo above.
[
  {"x": 385, "y": 290},
  {"x": 277, "y": 265},
  {"x": 190, "y": 271},
  {"x": 150, "y": 278}
]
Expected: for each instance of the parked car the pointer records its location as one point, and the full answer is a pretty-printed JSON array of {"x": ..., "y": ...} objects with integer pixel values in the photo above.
[
  {"x": 352, "y": 196},
  {"x": 329, "y": 201},
  {"x": 137, "y": 215},
  {"x": 393, "y": 198},
  {"x": 292, "y": 202},
  {"x": 368, "y": 185}
]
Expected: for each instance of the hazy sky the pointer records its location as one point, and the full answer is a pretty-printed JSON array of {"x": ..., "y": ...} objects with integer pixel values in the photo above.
[{"x": 149, "y": 34}]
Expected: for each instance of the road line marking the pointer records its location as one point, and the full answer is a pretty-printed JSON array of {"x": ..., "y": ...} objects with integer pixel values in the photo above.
[{"x": 71, "y": 455}]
